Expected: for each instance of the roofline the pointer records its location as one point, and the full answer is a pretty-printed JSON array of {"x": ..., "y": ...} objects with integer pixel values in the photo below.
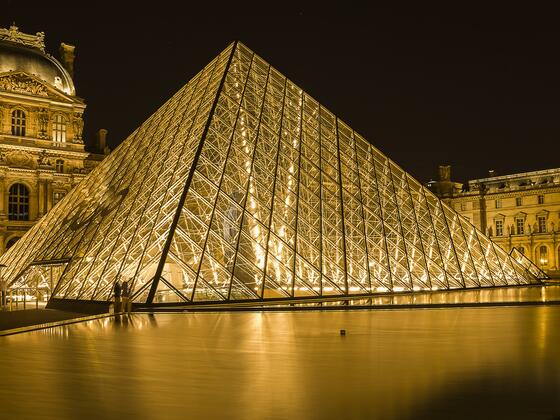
[
  {"x": 553, "y": 171},
  {"x": 69, "y": 81}
]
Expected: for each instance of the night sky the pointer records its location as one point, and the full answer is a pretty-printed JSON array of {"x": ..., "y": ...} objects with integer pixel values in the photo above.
[{"x": 475, "y": 88}]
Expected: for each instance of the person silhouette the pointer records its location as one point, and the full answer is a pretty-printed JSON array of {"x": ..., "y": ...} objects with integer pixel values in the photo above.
[
  {"x": 125, "y": 296},
  {"x": 117, "y": 290}
]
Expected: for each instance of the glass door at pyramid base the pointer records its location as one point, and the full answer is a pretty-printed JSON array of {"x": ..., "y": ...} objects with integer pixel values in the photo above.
[{"x": 36, "y": 284}]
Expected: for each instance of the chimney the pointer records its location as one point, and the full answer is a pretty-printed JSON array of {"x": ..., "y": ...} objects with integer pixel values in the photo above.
[
  {"x": 444, "y": 172},
  {"x": 102, "y": 140},
  {"x": 67, "y": 56}
]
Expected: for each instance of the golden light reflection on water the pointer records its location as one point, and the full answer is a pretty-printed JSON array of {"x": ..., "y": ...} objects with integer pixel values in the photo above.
[
  {"x": 437, "y": 363},
  {"x": 550, "y": 293}
]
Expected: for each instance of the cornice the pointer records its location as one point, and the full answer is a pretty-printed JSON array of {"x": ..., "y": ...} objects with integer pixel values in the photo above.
[
  {"x": 506, "y": 194},
  {"x": 22, "y": 170},
  {"x": 6, "y": 172},
  {"x": 20, "y": 98},
  {"x": 54, "y": 152},
  {"x": 534, "y": 237},
  {"x": 522, "y": 193},
  {"x": 41, "y": 143}
]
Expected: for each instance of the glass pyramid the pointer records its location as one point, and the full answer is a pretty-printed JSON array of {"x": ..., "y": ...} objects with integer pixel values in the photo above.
[{"x": 243, "y": 187}]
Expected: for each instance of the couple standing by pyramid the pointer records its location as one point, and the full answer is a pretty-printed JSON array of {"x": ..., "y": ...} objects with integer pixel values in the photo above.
[{"x": 121, "y": 297}]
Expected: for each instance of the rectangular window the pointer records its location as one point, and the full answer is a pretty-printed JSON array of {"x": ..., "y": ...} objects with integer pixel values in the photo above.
[
  {"x": 520, "y": 226},
  {"x": 57, "y": 196},
  {"x": 498, "y": 204},
  {"x": 59, "y": 129},
  {"x": 542, "y": 223},
  {"x": 541, "y": 199},
  {"x": 518, "y": 201},
  {"x": 463, "y": 206},
  {"x": 499, "y": 228},
  {"x": 18, "y": 123}
]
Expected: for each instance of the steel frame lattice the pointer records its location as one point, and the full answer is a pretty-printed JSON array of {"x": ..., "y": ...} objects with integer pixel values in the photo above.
[{"x": 244, "y": 188}]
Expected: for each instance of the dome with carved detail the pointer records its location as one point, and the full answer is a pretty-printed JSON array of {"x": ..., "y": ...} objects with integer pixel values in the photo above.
[{"x": 21, "y": 52}]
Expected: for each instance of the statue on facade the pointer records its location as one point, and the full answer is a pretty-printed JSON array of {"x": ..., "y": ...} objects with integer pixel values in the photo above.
[
  {"x": 43, "y": 123},
  {"x": 78, "y": 125}
]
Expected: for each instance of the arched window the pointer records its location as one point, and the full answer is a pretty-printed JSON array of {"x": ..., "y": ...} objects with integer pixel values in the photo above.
[
  {"x": 18, "y": 123},
  {"x": 59, "y": 165},
  {"x": 11, "y": 242},
  {"x": 543, "y": 256},
  {"x": 59, "y": 129},
  {"x": 18, "y": 202}
]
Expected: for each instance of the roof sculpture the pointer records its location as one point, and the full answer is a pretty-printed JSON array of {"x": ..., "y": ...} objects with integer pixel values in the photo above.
[{"x": 243, "y": 187}]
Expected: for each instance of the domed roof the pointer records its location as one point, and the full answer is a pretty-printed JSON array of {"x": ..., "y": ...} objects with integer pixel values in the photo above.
[{"x": 21, "y": 52}]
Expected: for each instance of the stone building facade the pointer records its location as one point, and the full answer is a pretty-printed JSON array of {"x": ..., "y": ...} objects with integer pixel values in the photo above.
[
  {"x": 518, "y": 210},
  {"x": 42, "y": 154}
]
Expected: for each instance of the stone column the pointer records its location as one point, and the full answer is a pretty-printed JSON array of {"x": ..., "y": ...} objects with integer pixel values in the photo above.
[
  {"x": 49, "y": 198},
  {"x": 482, "y": 212},
  {"x": 3, "y": 197},
  {"x": 40, "y": 198},
  {"x": 555, "y": 264},
  {"x": 3, "y": 117}
]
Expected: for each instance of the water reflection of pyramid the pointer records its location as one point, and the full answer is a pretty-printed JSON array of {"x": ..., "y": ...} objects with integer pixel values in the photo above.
[{"x": 241, "y": 187}]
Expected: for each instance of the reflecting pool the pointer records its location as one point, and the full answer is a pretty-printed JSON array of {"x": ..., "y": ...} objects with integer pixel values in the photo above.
[{"x": 501, "y": 362}]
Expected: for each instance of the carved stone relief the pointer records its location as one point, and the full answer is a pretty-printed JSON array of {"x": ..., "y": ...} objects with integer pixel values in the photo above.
[
  {"x": 13, "y": 34},
  {"x": 22, "y": 84},
  {"x": 20, "y": 159},
  {"x": 43, "y": 159}
]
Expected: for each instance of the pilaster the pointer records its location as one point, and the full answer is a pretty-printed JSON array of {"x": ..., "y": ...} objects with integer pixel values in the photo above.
[
  {"x": 40, "y": 198},
  {"x": 3, "y": 197},
  {"x": 49, "y": 192}
]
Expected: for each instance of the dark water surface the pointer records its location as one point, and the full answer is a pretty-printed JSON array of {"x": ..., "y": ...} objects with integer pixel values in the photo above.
[{"x": 494, "y": 363}]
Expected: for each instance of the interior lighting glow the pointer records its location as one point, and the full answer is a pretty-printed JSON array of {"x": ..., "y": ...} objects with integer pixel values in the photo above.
[{"x": 250, "y": 246}]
